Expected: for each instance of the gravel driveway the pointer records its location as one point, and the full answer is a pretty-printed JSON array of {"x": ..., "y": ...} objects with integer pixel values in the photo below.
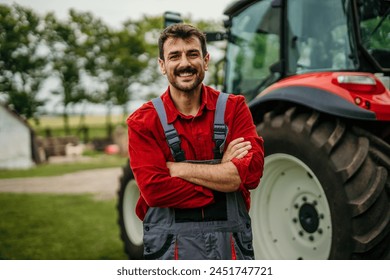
[{"x": 103, "y": 183}]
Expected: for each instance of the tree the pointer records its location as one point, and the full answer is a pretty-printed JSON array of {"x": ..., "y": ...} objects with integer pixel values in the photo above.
[
  {"x": 125, "y": 56},
  {"x": 22, "y": 59},
  {"x": 69, "y": 48},
  {"x": 149, "y": 82},
  {"x": 95, "y": 36}
]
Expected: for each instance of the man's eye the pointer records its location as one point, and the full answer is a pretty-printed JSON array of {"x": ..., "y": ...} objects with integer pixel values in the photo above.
[
  {"x": 174, "y": 57},
  {"x": 193, "y": 55}
]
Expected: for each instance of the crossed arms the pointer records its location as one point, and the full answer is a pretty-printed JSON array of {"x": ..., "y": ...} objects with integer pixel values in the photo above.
[{"x": 223, "y": 177}]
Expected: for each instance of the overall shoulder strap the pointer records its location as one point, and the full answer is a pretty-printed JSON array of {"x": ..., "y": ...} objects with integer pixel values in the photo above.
[
  {"x": 220, "y": 128},
  {"x": 171, "y": 134}
]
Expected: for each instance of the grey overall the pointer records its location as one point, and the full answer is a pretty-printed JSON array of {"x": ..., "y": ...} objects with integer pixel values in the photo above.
[{"x": 221, "y": 230}]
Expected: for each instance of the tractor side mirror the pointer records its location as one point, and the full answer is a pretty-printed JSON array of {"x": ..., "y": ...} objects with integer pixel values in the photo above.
[{"x": 172, "y": 18}]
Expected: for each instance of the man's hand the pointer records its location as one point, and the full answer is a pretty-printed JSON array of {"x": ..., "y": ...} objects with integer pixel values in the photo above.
[{"x": 238, "y": 148}]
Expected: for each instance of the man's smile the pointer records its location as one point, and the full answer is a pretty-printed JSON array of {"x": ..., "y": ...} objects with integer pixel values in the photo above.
[{"x": 185, "y": 74}]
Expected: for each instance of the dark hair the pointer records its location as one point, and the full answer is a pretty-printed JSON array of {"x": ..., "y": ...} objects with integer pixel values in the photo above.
[{"x": 182, "y": 31}]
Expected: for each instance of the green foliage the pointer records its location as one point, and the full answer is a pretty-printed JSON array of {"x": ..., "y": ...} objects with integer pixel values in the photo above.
[
  {"x": 207, "y": 25},
  {"x": 58, "y": 227},
  {"x": 146, "y": 30},
  {"x": 70, "y": 43},
  {"x": 125, "y": 63},
  {"x": 22, "y": 60},
  {"x": 94, "y": 131}
]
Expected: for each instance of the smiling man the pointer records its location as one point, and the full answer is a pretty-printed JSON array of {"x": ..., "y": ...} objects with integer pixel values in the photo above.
[{"x": 195, "y": 155}]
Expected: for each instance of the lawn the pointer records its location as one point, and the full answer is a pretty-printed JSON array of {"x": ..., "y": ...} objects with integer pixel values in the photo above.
[
  {"x": 74, "y": 121},
  {"x": 58, "y": 227},
  {"x": 95, "y": 161},
  {"x": 96, "y": 124}
]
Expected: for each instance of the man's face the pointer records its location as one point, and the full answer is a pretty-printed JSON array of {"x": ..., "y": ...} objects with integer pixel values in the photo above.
[{"x": 184, "y": 63}]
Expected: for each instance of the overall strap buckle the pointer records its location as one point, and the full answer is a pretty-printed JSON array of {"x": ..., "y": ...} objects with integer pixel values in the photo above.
[{"x": 220, "y": 128}]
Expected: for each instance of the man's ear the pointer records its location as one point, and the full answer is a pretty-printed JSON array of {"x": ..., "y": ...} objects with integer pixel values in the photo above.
[
  {"x": 206, "y": 61},
  {"x": 162, "y": 66}
]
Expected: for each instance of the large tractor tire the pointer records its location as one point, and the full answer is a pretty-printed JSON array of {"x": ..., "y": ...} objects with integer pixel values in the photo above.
[
  {"x": 130, "y": 225},
  {"x": 325, "y": 190}
]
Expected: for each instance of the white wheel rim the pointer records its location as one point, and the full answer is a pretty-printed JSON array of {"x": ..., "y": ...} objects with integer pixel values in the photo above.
[
  {"x": 133, "y": 224},
  {"x": 290, "y": 212}
]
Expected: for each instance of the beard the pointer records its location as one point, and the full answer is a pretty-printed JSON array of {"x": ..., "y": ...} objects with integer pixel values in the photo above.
[{"x": 187, "y": 87}]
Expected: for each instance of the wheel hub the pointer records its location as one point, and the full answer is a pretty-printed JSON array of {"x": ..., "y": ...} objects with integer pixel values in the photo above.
[{"x": 308, "y": 218}]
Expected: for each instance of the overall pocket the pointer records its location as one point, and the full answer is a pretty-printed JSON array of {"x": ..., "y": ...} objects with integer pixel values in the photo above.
[
  {"x": 243, "y": 245},
  {"x": 159, "y": 247}
]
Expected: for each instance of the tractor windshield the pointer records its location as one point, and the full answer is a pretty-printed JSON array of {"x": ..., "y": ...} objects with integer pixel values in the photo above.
[
  {"x": 253, "y": 47},
  {"x": 320, "y": 36}
]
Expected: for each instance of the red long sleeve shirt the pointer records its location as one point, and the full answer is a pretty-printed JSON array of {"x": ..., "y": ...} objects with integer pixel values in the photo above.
[{"x": 149, "y": 151}]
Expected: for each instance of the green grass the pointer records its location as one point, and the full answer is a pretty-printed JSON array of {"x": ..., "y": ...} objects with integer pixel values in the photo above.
[
  {"x": 96, "y": 131},
  {"x": 58, "y": 227},
  {"x": 74, "y": 121},
  {"x": 96, "y": 125},
  {"x": 96, "y": 161}
]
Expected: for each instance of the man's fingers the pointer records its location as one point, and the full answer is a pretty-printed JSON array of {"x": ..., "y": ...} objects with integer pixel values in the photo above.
[
  {"x": 243, "y": 145},
  {"x": 237, "y": 148},
  {"x": 242, "y": 154},
  {"x": 236, "y": 141},
  {"x": 241, "y": 149}
]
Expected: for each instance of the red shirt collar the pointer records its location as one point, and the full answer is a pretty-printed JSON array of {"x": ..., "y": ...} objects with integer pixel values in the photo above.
[{"x": 173, "y": 113}]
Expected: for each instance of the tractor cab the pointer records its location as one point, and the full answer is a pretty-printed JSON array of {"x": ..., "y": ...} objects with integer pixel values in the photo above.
[{"x": 270, "y": 39}]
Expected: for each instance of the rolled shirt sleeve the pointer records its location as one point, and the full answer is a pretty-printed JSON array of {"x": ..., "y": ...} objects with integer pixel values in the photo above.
[{"x": 250, "y": 167}]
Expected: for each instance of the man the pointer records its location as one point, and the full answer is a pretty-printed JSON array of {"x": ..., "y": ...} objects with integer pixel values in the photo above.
[{"x": 193, "y": 205}]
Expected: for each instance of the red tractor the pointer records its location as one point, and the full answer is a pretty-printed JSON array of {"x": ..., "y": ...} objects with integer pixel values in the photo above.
[{"x": 316, "y": 75}]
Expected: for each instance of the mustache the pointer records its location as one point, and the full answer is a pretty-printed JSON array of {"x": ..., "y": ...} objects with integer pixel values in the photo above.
[{"x": 187, "y": 69}]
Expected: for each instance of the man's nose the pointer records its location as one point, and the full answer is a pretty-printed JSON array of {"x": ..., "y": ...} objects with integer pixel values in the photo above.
[{"x": 184, "y": 61}]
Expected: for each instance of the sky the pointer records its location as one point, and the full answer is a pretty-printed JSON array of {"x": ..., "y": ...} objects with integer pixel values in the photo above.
[{"x": 115, "y": 12}]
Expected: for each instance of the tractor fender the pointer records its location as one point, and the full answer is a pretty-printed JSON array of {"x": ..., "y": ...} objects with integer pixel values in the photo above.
[{"x": 315, "y": 98}]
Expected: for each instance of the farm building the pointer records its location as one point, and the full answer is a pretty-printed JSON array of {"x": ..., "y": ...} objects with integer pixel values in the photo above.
[{"x": 17, "y": 142}]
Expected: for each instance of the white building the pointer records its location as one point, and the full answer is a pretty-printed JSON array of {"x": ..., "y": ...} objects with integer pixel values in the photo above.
[{"x": 16, "y": 141}]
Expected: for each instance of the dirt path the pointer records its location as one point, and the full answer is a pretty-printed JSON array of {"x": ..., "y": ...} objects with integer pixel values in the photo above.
[{"x": 103, "y": 183}]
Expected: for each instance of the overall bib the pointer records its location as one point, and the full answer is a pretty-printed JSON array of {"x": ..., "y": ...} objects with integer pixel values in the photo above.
[{"x": 221, "y": 230}]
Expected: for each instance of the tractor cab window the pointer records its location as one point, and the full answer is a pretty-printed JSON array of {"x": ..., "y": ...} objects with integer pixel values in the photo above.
[
  {"x": 319, "y": 36},
  {"x": 374, "y": 23},
  {"x": 252, "y": 49}
]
